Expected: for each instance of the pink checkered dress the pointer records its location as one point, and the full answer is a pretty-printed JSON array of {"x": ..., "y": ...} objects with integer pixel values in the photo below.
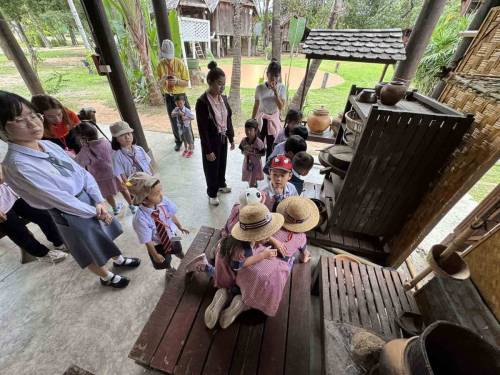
[
  {"x": 225, "y": 273},
  {"x": 293, "y": 242},
  {"x": 231, "y": 221}
]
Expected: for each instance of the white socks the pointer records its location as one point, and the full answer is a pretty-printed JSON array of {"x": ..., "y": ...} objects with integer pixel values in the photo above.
[
  {"x": 110, "y": 276},
  {"x": 121, "y": 260}
]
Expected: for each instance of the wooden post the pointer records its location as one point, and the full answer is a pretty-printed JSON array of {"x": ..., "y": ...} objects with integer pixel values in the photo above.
[
  {"x": 325, "y": 80},
  {"x": 106, "y": 47},
  {"x": 24, "y": 68},
  {"x": 383, "y": 72},
  {"x": 304, "y": 87},
  {"x": 79, "y": 25},
  {"x": 161, "y": 18},
  {"x": 419, "y": 38}
]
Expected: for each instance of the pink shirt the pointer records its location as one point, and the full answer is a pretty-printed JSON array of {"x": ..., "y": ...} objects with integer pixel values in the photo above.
[
  {"x": 7, "y": 198},
  {"x": 220, "y": 112}
]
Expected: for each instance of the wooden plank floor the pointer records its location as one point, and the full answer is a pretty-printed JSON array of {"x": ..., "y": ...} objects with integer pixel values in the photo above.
[
  {"x": 175, "y": 339},
  {"x": 362, "y": 295}
]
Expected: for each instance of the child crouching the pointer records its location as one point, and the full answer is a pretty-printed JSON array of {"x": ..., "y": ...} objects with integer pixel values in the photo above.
[{"x": 155, "y": 222}]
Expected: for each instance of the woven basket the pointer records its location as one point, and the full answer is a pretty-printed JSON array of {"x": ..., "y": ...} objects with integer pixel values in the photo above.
[{"x": 354, "y": 127}]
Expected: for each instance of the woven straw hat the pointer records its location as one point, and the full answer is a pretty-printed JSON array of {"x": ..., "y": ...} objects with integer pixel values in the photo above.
[
  {"x": 300, "y": 213},
  {"x": 256, "y": 223}
]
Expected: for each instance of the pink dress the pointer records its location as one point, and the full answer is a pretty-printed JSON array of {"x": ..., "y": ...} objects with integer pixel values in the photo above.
[
  {"x": 292, "y": 241},
  {"x": 252, "y": 164},
  {"x": 96, "y": 157},
  {"x": 225, "y": 274}
]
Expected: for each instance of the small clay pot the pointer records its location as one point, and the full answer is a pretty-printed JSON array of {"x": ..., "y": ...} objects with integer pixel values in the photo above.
[
  {"x": 367, "y": 96},
  {"x": 392, "y": 92},
  {"x": 378, "y": 87},
  {"x": 319, "y": 120}
]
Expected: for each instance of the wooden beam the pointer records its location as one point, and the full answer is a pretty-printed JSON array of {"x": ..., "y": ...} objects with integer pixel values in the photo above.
[
  {"x": 12, "y": 48},
  {"x": 161, "y": 18},
  {"x": 468, "y": 33},
  {"x": 419, "y": 38},
  {"x": 106, "y": 47}
]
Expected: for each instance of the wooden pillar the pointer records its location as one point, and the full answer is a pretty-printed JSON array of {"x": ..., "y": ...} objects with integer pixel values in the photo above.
[
  {"x": 106, "y": 47},
  {"x": 9, "y": 43},
  {"x": 383, "y": 72},
  {"x": 419, "y": 38},
  {"x": 161, "y": 18},
  {"x": 303, "y": 94}
]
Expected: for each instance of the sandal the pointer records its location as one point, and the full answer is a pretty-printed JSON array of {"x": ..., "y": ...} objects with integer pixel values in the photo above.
[{"x": 134, "y": 262}]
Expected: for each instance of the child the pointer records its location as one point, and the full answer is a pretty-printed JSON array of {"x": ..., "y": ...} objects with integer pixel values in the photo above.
[
  {"x": 253, "y": 148},
  {"x": 302, "y": 164},
  {"x": 184, "y": 116},
  {"x": 128, "y": 158},
  {"x": 236, "y": 252},
  {"x": 279, "y": 186},
  {"x": 293, "y": 119},
  {"x": 301, "y": 215},
  {"x": 289, "y": 148},
  {"x": 155, "y": 222}
]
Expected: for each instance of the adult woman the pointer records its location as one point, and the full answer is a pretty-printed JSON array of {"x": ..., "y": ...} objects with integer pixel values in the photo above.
[
  {"x": 58, "y": 122},
  {"x": 215, "y": 127},
  {"x": 47, "y": 178},
  {"x": 269, "y": 101}
]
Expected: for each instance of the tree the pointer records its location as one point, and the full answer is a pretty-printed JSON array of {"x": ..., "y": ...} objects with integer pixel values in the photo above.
[
  {"x": 266, "y": 24},
  {"x": 79, "y": 25},
  {"x": 276, "y": 30},
  {"x": 234, "y": 91},
  {"x": 131, "y": 12},
  {"x": 337, "y": 8}
]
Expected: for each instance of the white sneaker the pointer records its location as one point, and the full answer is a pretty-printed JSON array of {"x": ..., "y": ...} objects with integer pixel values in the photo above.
[
  {"x": 225, "y": 190},
  {"x": 53, "y": 256},
  {"x": 228, "y": 316},
  {"x": 213, "y": 310},
  {"x": 214, "y": 201},
  {"x": 61, "y": 247}
]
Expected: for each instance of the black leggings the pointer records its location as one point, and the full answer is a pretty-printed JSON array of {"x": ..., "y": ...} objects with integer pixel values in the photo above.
[
  {"x": 17, "y": 231},
  {"x": 215, "y": 171},
  {"x": 269, "y": 138}
]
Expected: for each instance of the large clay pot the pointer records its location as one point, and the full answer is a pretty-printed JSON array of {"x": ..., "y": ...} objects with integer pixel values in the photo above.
[
  {"x": 319, "y": 120},
  {"x": 392, "y": 92}
]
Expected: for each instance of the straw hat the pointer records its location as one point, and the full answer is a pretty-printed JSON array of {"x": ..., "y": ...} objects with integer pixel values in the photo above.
[
  {"x": 119, "y": 128},
  {"x": 140, "y": 185},
  {"x": 256, "y": 223},
  {"x": 300, "y": 213}
]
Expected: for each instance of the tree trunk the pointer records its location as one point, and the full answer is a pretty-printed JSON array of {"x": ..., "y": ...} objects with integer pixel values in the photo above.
[
  {"x": 136, "y": 26},
  {"x": 234, "y": 91},
  {"x": 276, "y": 31},
  {"x": 72, "y": 36},
  {"x": 337, "y": 8},
  {"x": 79, "y": 25},
  {"x": 9, "y": 42},
  {"x": 266, "y": 24},
  {"x": 24, "y": 38}
]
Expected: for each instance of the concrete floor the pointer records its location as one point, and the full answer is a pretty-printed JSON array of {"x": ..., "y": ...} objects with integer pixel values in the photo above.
[{"x": 52, "y": 316}]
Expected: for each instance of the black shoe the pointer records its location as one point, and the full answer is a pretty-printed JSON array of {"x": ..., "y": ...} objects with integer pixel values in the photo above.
[
  {"x": 177, "y": 147},
  {"x": 119, "y": 285},
  {"x": 134, "y": 263}
]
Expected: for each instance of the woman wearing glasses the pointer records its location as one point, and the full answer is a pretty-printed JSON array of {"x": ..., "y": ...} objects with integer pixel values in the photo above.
[
  {"x": 43, "y": 174},
  {"x": 59, "y": 123}
]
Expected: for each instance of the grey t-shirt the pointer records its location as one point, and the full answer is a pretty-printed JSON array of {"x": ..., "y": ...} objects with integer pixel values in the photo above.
[{"x": 265, "y": 96}]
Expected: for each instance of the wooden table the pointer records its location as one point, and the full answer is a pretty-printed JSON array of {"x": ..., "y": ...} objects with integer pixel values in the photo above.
[{"x": 175, "y": 339}]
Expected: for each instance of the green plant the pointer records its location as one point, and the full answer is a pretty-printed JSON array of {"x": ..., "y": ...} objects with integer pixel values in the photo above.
[
  {"x": 441, "y": 48},
  {"x": 55, "y": 82}
]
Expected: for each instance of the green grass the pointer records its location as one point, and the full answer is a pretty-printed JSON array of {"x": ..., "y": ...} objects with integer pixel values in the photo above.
[{"x": 486, "y": 184}]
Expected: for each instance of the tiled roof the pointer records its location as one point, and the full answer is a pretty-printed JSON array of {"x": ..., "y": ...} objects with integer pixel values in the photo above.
[{"x": 377, "y": 45}]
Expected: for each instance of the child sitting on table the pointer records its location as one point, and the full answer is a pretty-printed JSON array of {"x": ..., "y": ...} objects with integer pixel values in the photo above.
[
  {"x": 279, "y": 186},
  {"x": 302, "y": 164},
  {"x": 155, "y": 222}
]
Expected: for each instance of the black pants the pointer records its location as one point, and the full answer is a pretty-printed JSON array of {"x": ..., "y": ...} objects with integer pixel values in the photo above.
[
  {"x": 269, "y": 138},
  {"x": 215, "y": 171},
  {"x": 170, "y": 103},
  {"x": 176, "y": 250},
  {"x": 17, "y": 231}
]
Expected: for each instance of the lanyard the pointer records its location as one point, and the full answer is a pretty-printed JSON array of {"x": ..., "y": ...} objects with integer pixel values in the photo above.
[{"x": 134, "y": 161}]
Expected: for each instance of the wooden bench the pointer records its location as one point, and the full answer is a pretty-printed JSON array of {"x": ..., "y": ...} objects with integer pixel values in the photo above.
[
  {"x": 175, "y": 339},
  {"x": 362, "y": 296}
]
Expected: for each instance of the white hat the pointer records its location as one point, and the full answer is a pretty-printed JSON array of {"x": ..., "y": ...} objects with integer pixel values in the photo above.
[
  {"x": 167, "y": 49},
  {"x": 250, "y": 196}
]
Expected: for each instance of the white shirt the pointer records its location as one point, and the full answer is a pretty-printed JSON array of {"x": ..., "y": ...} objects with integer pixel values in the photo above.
[
  {"x": 125, "y": 163},
  {"x": 145, "y": 227},
  {"x": 266, "y": 98},
  {"x": 42, "y": 185},
  {"x": 7, "y": 198}
]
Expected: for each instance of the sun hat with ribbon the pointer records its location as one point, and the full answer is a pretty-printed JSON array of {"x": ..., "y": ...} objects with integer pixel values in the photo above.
[
  {"x": 119, "y": 128},
  {"x": 256, "y": 223},
  {"x": 300, "y": 213},
  {"x": 140, "y": 185}
]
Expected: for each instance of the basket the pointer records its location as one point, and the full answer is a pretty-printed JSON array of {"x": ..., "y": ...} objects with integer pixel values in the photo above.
[{"x": 354, "y": 128}]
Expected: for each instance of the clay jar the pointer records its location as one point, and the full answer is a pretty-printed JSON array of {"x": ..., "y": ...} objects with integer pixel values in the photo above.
[
  {"x": 392, "y": 92},
  {"x": 378, "y": 87},
  {"x": 319, "y": 120}
]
